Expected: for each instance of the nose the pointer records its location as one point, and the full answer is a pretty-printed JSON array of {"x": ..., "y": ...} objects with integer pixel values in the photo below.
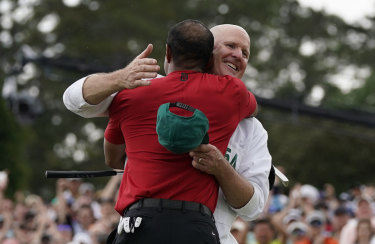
[{"x": 237, "y": 52}]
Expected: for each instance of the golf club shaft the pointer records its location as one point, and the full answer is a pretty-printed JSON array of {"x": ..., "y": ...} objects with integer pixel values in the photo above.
[{"x": 80, "y": 174}]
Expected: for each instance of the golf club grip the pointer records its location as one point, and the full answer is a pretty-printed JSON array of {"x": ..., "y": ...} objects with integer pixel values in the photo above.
[{"x": 80, "y": 174}]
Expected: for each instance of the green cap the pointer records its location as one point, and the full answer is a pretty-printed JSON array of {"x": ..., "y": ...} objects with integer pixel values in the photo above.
[{"x": 180, "y": 134}]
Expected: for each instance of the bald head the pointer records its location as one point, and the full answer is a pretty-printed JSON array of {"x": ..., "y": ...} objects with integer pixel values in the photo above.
[
  {"x": 219, "y": 31},
  {"x": 231, "y": 50}
]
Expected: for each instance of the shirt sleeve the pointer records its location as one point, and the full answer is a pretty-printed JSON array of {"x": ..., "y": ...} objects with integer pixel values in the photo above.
[
  {"x": 255, "y": 168},
  {"x": 74, "y": 101},
  {"x": 247, "y": 101},
  {"x": 113, "y": 132}
]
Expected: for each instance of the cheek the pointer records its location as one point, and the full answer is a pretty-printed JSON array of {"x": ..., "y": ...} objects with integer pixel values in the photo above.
[
  {"x": 217, "y": 66},
  {"x": 244, "y": 62}
]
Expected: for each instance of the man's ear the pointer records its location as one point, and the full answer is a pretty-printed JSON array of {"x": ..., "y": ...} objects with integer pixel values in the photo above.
[
  {"x": 168, "y": 53},
  {"x": 209, "y": 65}
]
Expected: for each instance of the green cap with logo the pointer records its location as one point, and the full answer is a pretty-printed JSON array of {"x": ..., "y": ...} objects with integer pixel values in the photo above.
[{"x": 180, "y": 134}]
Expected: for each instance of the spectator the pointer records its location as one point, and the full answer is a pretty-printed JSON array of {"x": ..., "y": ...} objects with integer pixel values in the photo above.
[
  {"x": 10, "y": 241},
  {"x": 239, "y": 230},
  {"x": 363, "y": 210},
  {"x": 316, "y": 222},
  {"x": 264, "y": 232},
  {"x": 291, "y": 213},
  {"x": 84, "y": 219},
  {"x": 309, "y": 197},
  {"x": 365, "y": 232},
  {"x": 297, "y": 233},
  {"x": 87, "y": 197},
  {"x": 329, "y": 196},
  {"x": 340, "y": 218},
  {"x": 65, "y": 232}
]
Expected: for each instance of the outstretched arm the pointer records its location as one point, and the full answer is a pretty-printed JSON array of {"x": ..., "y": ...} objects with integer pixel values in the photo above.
[
  {"x": 92, "y": 95},
  {"x": 138, "y": 73},
  {"x": 245, "y": 185}
]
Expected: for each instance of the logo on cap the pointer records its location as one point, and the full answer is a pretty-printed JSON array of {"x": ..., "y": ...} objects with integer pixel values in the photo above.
[{"x": 181, "y": 134}]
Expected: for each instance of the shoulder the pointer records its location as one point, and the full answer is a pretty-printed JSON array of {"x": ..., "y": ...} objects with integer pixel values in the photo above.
[
  {"x": 248, "y": 132},
  {"x": 229, "y": 78},
  {"x": 244, "y": 132},
  {"x": 250, "y": 126}
]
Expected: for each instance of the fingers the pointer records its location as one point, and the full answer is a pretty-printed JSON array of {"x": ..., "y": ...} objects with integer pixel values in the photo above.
[
  {"x": 143, "y": 69},
  {"x": 145, "y": 75},
  {"x": 139, "y": 83},
  {"x": 146, "y": 52},
  {"x": 199, "y": 163},
  {"x": 147, "y": 62},
  {"x": 201, "y": 149}
]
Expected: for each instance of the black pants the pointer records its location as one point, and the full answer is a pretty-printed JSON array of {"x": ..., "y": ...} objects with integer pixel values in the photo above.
[{"x": 169, "y": 226}]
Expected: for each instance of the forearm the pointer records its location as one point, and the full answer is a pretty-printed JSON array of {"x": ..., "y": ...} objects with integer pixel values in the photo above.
[
  {"x": 137, "y": 73},
  {"x": 111, "y": 187},
  {"x": 61, "y": 207},
  {"x": 91, "y": 96},
  {"x": 253, "y": 166},
  {"x": 237, "y": 190},
  {"x": 74, "y": 101},
  {"x": 98, "y": 87}
]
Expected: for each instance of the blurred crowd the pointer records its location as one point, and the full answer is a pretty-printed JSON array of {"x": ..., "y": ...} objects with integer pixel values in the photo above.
[
  {"x": 309, "y": 215},
  {"x": 78, "y": 214},
  {"x": 81, "y": 214}
]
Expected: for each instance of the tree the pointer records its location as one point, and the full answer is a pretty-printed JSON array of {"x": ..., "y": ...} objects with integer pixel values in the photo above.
[
  {"x": 12, "y": 150},
  {"x": 297, "y": 54}
]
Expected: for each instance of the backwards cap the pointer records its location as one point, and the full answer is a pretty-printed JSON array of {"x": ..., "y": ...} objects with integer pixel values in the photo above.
[{"x": 180, "y": 134}]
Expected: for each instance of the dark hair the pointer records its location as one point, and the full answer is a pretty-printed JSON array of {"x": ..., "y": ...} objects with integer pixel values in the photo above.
[{"x": 191, "y": 44}]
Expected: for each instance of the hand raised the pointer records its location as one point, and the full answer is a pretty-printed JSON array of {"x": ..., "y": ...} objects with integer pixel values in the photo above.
[{"x": 139, "y": 71}]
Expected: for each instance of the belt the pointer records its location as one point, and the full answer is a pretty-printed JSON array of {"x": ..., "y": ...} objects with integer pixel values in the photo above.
[{"x": 170, "y": 204}]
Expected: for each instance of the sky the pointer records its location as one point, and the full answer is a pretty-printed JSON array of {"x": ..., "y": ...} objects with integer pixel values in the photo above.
[{"x": 352, "y": 11}]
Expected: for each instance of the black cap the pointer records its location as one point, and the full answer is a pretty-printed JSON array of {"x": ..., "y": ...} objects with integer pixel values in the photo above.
[{"x": 341, "y": 211}]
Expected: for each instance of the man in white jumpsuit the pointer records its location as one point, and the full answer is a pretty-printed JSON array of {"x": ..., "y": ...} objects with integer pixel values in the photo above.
[{"x": 243, "y": 172}]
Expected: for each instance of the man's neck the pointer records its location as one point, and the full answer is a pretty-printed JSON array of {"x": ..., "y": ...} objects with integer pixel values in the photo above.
[{"x": 176, "y": 68}]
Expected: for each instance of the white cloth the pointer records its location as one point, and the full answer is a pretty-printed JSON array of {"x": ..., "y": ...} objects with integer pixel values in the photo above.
[
  {"x": 74, "y": 101},
  {"x": 247, "y": 147}
]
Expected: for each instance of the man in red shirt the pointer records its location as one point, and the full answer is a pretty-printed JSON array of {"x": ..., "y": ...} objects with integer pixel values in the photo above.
[{"x": 152, "y": 172}]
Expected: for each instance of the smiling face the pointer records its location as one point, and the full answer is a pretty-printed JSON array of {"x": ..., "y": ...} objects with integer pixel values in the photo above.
[{"x": 231, "y": 50}]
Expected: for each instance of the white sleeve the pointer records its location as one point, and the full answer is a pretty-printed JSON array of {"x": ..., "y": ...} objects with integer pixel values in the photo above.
[
  {"x": 74, "y": 101},
  {"x": 255, "y": 167}
]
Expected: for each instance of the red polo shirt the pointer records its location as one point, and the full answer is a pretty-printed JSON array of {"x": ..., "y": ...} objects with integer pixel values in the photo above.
[{"x": 152, "y": 171}]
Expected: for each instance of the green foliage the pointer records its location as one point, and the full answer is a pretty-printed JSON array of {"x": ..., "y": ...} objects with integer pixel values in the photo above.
[
  {"x": 293, "y": 51},
  {"x": 316, "y": 151},
  {"x": 12, "y": 150}
]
